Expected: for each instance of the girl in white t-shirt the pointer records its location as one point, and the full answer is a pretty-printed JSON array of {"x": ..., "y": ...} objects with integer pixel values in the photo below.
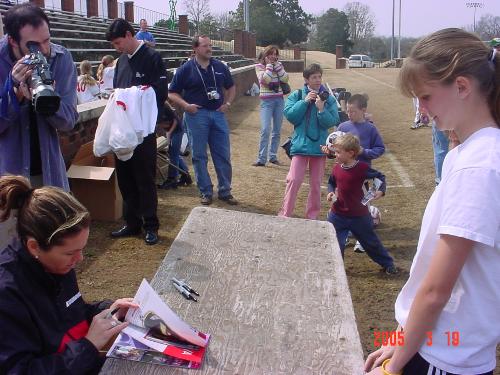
[
  {"x": 106, "y": 72},
  {"x": 87, "y": 88},
  {"x": 449, "y": 309}
]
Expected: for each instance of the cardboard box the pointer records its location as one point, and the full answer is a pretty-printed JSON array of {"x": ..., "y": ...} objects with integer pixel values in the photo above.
[{"x": 93, "y": 182}]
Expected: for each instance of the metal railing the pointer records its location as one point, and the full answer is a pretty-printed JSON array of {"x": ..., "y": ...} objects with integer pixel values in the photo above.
[
  {"x": 284, "y": 54},
  {"x": 226, "y": 46},
  {"x": 80, "y": 7},
  {"x": 149, "y": 15}
]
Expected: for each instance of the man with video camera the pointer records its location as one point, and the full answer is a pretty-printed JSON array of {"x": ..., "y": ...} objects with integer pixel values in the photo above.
[
  {"x": 37, "y": 98},
  {"x": 204, "y": 89}
]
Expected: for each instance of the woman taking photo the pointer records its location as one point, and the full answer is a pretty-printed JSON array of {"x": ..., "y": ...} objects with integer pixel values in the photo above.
[
  {"x": 45, "y": 326},
  {"x": 448, "y": 311},
  {"x": 270, "y": 74},
  {"x": 312, "y": 111}
]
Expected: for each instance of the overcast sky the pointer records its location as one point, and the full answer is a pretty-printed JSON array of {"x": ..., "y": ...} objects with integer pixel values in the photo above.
[{"x": 418, "y": 17}]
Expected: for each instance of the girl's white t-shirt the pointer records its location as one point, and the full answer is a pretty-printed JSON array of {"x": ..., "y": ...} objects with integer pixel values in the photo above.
[
  {"x": 465, "y": 204},
  {"x": 107, "y": 78},
  {"x": 86, "y": 93}
]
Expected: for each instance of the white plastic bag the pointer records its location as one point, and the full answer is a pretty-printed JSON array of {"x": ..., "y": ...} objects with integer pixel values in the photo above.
[
  {"x": 115, "y": 132},
  {"x": 101, "y": 138},
  {"x": 122, "y": 138}
]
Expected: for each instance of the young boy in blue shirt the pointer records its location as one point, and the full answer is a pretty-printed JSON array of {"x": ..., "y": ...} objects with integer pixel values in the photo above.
[
  {"x": 367, "y": 133},
  {"x": 347, "y": 212}
]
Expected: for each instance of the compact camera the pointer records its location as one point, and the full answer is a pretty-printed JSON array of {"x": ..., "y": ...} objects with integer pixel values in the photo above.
[
  {"x": 213, "y": 95},
  {"x": 274, "y": 86},
  {"x": 45, "y": 100},
  {"x": 323, "y": 95}
]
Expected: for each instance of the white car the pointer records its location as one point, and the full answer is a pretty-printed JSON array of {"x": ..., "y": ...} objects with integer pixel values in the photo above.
[{"x": 360, "y": 61}]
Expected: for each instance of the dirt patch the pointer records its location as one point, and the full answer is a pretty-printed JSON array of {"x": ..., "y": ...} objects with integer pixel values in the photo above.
[{"x": 114, "y": 268}]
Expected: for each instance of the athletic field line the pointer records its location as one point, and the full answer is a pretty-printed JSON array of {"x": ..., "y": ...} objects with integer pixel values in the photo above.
[
  {"x": 400, "y": 171},
  {"x": 374, "y": 79}
]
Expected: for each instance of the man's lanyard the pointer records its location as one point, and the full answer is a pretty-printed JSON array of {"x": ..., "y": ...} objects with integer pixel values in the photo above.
[{"x": 202, "y": 80}]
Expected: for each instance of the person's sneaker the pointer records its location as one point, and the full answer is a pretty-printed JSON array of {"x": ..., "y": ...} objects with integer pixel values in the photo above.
[
  {"x": 275, "y": 162},
  {"x": 358, "y": 248},
  {"x": 206, "y": 200},
  {"x": 258, "y": 164},
  {"x": 419, "y": 125},
  {"x": 391, "y": 270},
  {"x": 229, "y": 199}
]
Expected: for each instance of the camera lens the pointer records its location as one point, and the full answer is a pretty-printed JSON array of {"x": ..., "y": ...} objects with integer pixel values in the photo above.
[{"x": 324, "y": 95}]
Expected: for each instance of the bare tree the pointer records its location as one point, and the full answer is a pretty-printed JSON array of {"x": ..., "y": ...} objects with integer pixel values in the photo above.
[
  {"x": 488, "y": 27},
  {"x": 224, "y": 19},
  {"x": 197, "y": 10},
  {"x": 361, "y": 21}
]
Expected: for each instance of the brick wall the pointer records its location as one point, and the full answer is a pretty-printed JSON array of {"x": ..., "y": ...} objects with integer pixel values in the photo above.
[
  {"x": 129, "y": 11},
  {"x": 40, "y": 3},
  {"x": 112, "y": 9},
  {"x": 68, "y": 5}
]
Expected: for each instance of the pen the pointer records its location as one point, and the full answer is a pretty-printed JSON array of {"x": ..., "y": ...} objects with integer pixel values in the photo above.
[
  {"x": 185, "y": 286},
  {"x": 184, "y": 292},
  {"x": 111, "y": 313}
]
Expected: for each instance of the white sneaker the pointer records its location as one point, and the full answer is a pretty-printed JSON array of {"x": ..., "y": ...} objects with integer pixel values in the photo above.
[{"x": 358, "y": 248}]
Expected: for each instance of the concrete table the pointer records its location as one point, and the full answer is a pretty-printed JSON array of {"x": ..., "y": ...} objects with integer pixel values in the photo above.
[{"x": 274, "y": 296}]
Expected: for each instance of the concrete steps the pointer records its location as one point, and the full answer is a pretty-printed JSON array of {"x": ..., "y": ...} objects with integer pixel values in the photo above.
[{"x": 85, "y": 38}]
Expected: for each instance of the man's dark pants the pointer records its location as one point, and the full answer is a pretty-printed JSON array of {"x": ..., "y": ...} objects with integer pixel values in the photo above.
[{"x": 137, "y": 182}]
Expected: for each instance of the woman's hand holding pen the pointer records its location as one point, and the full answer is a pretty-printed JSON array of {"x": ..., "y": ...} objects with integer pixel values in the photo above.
[{"x": 122, "y": 304}]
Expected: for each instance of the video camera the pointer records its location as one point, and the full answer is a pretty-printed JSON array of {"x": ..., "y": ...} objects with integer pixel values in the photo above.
[{"x": 45, "y": 100}]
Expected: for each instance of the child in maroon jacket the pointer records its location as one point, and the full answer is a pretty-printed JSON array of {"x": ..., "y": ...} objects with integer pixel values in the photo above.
[{"x": 347, "y": 212}]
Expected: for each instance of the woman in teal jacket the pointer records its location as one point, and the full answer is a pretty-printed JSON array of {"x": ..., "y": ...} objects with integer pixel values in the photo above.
[{"x": 312, "y": 113}]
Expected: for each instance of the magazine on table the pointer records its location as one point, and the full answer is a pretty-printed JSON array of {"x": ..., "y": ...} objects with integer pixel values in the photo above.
[{"x": 157, "y": 335}]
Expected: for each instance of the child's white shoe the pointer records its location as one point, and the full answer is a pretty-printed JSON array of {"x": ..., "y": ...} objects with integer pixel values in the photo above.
[{"x": 358, "y": 248}]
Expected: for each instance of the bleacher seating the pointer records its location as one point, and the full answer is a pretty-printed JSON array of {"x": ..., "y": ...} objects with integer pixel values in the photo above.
[{"x": 85, "y": 38}]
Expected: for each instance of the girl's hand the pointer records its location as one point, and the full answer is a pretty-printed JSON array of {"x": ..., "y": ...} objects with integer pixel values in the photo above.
[
  {"x": 375, "y": 359},
  {"x": 375, "y": 371},
  {"x": 330, "y": 196},
  {"x": 124, "y": 304},
  {"x": 378, "y": 195}
]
